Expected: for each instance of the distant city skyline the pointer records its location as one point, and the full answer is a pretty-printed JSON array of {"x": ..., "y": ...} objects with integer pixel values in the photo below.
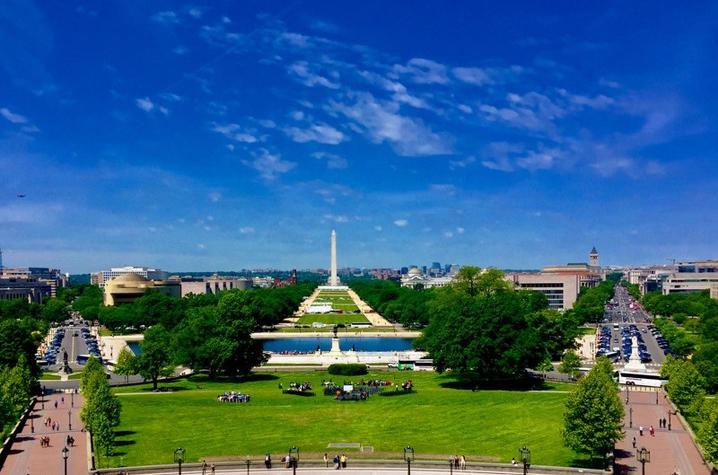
[{"x": 238, "y": 135}]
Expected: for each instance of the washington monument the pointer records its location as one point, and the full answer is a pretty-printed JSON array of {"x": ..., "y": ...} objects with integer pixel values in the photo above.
[{"x": 333, "y": 279}]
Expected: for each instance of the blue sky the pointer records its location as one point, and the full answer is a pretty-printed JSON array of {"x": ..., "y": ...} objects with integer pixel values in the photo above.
[{"x": 226, "y": 135}]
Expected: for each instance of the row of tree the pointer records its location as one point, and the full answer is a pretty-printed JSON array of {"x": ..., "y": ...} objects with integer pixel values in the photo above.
[
  {"x": 398, "y": 304},
  {"x": 17, "y": 385},
  {"x": 101, "y": 409}
]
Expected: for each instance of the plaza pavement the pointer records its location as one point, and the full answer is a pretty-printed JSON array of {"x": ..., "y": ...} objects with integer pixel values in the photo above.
[
  {"x": 27, "y": 457},
  {"x": 671, "y": 451}
]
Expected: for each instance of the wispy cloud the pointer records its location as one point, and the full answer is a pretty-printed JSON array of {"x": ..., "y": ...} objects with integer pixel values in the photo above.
[
  {"x": 13, "y": 117},
  {"x": 235, "y": 132},
  {"x": 321, "y": 133},
  {"x": 146, "y": 104},
  {"x": 269, "y": 165},
  {"x": 401, "y": 222},
  {"x": 303, "y": 72},
  {"x": 167, "y": 17},
  {"x": 334, "y": 162},
  {"x": 423, "y": 71},
  {"x": 382, "y": 122},
  {"x": 246, "y": 230}
]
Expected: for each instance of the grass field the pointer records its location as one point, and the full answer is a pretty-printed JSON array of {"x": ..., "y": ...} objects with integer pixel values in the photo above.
[
  {"x": 339, "y": 300},
  {"x": 331, "y": 318},
  {"x": 50, "y": 376},
  {"x": 439, "y": 419}
]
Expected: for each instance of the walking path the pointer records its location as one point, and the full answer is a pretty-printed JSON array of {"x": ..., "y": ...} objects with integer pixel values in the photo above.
[
  {"x": 28, "y": 457},
  {"x": 671, "y": 451}
]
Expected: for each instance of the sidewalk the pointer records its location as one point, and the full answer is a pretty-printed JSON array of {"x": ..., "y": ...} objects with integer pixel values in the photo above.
[
  {"x": 27, "y": 457},
  {"x": 671, "y": 451}
]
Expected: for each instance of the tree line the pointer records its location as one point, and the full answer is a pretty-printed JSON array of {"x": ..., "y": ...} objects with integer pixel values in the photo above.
[{"x": 101, "y": 410}]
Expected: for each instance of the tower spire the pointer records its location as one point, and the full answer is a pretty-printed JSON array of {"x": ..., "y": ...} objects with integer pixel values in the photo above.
[{"x": 333, "y": 279}]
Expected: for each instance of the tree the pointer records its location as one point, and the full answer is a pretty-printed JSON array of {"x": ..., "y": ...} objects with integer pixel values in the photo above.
[
  {"x": 55, "y": 310},
  {"x": 570, "y": 364},
  {"x": 154, "y": 360},
  {"x": 592, "y": 421},
  {"x": 126, "y": 363},
  {"x": 104, "y": 435},
  {"x": 686, "y": 386},
  {"x": 92, "y": 367},
  {"x": 16, "y": 386},
  {"x": 480, "y": 329},
  {"x": 708, "y": 434}
]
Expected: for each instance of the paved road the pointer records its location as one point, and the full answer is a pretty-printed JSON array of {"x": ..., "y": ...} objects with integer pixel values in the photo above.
[
  {"x": 671, "y": 451},
  {"x": 27, "y": 457},
  {"x": 353, "y": 470}
]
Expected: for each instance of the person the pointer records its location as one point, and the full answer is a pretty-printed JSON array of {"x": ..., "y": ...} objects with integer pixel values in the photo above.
[
  {"x": 652, "y": 431},
  {"x": 204, "y": 467},
  {"x": 634, "y": 442},
  {"x": 343, "y": 460},
  {"x": 640, "y": 430},
  {"x": 336, "y": 462},
  {"x": 268, "y": 461},
  {"x": 513, "y": 461},
  {"x": 211, "y": 469},
  {"x": 462, "y": 463},
  {"x": 326, "y": 460}
]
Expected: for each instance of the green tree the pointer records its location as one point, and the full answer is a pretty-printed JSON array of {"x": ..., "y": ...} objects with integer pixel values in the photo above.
[
  {"x": 126, "y": 363},
  {"x": 92, "y": 367},
  {"x": 592, "y": 420},
  {"x": 686, "y": 386},
  {"x": 480, "y": 329},
  {"x": 155, "y": 359},
  {"x": 17, "y": 385},
  {"x": 104, "y": 435},
  {"x": 55, "y": 310},
  {"x": 570, "y": 364},
  {"x": 708, "y": 434}
]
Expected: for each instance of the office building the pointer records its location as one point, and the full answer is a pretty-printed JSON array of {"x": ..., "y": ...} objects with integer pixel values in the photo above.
[
  {"x": 693, "y": 276},
  {"x": 416, "y": 278},
  {"x": 103, "y": 277},
  {"x": 36, "y": 279},
  {"x": 561, "y": 289},
  {"x": 212, "y": 285}
]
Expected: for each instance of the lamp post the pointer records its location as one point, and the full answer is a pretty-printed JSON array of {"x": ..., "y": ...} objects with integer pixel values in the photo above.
[
  {"x": 72, "y": 398},
  {"x": 179, "y": 458},
  {"x": 643, "y": 456},
  {"x": 65, "y": 454},
  {"x": 451, "y": 466},
  {"x": 525, "y": 456},
  {"x": 69, "y": 419},
  {"x": 408, "y": 458},
  {"x": 656, "y": 397},
  {"x": 630, "y": 417},
  {"x": 628, "y": 394},
  {"x": 294, "y": 458},
  {"x": 32, "y": 423},
  {"x": 669, "y": 417},
  {"x": 42, "y": 394},
  {"x": 248, "y": 461}
]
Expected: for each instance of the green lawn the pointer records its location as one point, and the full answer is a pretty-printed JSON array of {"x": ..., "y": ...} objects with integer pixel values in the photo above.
[
  {"x": 50, "y": 376},
  {"x": 438, "y": 419},
  {"x": 339, "y": 300},
  {"x": 331, "y": 318}
]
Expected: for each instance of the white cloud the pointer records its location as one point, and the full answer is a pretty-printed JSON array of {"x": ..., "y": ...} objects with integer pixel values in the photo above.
[
  {"x": 378, "y": 228},
  {"x": 336, "y": 218},
  {"x": 145, "y": 104},
  {"x": 13, "y": 117},
  {"x": 201, "y": 246},
  {"x": 321, "y": 133},
  {"x": 267, "y": 123},
  {"x": 308, "y": 78},
  {"x": 460, "y": 230},
  {"x": 475, "y": 76},
  {"x": 461, "y": 163},
  {"x": 195, "y": 12},
  {"x": 448, "y": 234},
  {"x": 381, "y": 122},
  {"x": 423, "y": 71},
  {"x": 180, "y": 50},
  {"x": 269, "y": 165},
  {"x": 334, "y": 162},
  {"x": 167, "y": 17},
  {"x": 297, "y": 115},
  {"x": 401, "y": 222},
  {"x": 234, "y": 132},
  {"x": 246, "y": 230},
  {"x": 215, "y": 196},
  {"x": 170, "y": 97}
]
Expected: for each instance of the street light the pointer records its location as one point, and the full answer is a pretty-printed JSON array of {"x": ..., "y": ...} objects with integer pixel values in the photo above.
[
  {"x": 179, "y": 458},
  {"x": 643, "y": 456},
  {"x": 408, "y": 458},
  {"x": 294, "y": 459},
  {"x": 42, "y": 394},
  {"x": 69, "y": 419},
  {"x": 248, "y": 462},
  {"x": 675, "y": 413},
  {"x": 72, "y": 398},
  {"x": 65, "y": 453},
  {"x": 628, "y": 394},
  {"x": 525, "y": 456},
  {"x": 630, "y": 417}
]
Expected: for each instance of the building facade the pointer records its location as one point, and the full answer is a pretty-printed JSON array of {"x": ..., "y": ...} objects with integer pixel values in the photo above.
[
  {"x": 693, "y": 276},
  {"x": 103, "y": 277},
  {"x": 561, "y": 290},
  {"x": 126, "y": 288},
  {"x": 39, "y": 283},
  {"x": 415, "y": 277},
  {"x": 212, "y": 285}
]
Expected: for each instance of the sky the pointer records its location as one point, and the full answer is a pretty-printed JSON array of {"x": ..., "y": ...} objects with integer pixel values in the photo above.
[{"x": 237, "y": 134}]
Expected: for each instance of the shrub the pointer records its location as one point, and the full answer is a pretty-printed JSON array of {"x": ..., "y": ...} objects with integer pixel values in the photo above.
[{"x": 348, "y": 369}]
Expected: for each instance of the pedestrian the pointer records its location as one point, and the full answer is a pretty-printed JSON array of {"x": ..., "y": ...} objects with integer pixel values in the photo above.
[
  {"x": 634, "y": 442},
  {"x": 640, "y": 430},
  {"x": 513, "y": 461},
  {"x": 211, "y": 469},
  {"x": 268, "y": 461},
  {"x": 204, "y": 467},
  {"x": 326, "y": 460},
  {"x": 664, "y": 422},
  {"x": 343, "y": 460},
  {"x": 652, "y": 430},
  {"x": 456, "y": 461},
  {"x": 62, "y": 399},
  {"x": 55, "y": 403},
  {"x": 462, "y": 463},
  {"x": 336, "y": 462}
]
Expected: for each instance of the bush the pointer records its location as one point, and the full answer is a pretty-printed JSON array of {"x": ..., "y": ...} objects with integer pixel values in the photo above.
[{"x": 348, "y": 369}]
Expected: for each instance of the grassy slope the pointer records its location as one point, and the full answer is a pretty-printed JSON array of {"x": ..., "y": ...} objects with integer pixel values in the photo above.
[
  {"x": 331, "y": 318},
  {"x": 435, "y": 420}
]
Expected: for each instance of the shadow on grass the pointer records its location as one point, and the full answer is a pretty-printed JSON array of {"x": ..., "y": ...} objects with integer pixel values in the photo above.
[
  {"x": 589, "y": 463},
  {"x": 524, "y": 384},
  {"x": 124, "y": 433},
  {"x": 396, "y": 393},
  {"x": 299, "y": 393}
]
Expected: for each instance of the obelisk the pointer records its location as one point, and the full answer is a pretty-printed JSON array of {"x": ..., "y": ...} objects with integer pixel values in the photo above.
[{"x": 333, "y": 279}]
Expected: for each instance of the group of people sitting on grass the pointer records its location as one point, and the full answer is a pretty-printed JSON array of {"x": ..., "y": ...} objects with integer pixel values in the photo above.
[
  {"x": 233, "y": 396},
  {"x": 300, "y": 387},
  {"x": 407, "y": 385}
]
